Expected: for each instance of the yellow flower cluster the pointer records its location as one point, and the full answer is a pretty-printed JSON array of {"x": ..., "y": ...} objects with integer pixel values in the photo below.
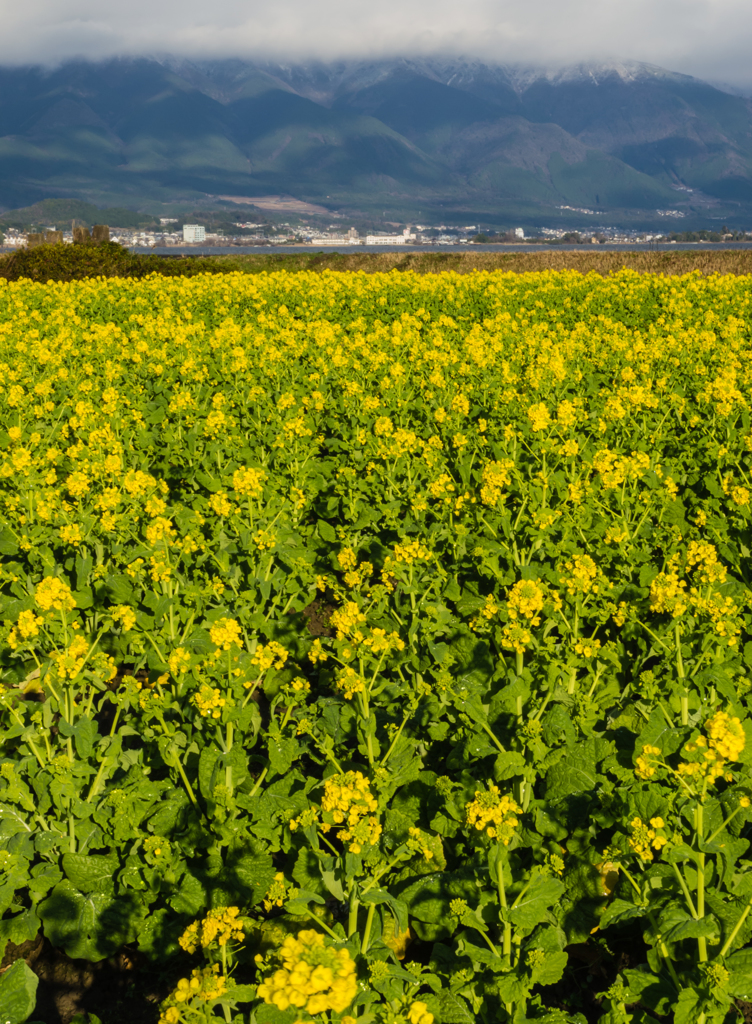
[
  {"x": 346, "y": 619},
  {"x": 69, "y": 662},
  {"x": 645, "y": 766},
  {"x": 226, "y": 633},
  {"x": 179, "y": 661},
  {"x": 580, "y": 576},
  {"x": 496, "y": 477},
  {"x": 418, "y": 1013},
  {"x": 25, "y": 629},
  {"x": 314, "y": 977},
  {"x": 209, "y": 701},
  {"x": 266, "y": 656},
  {"x": 204, "y": 985},
  {"x": 220, "y": 926},
  {"x": 494, "y": 813},
  {"x": 539, "y": 417},
  {"x": 668, "y": 593},
  {"x": 248, "y": 482},
  {"x": 54, "y": 594},
  {"x": 279, "y": 891},
  {"x": 347, "y": 802},
  {"x": 407, "y": 554},
  {"x": 348, "y": 682},
  {"x": 646, "y": 838},
  {"x": 726, "y": 735},
  {"x": 707, "y": 757},
  {"x": 125, "y": 615},
  {"x": 702, "y": 558},
  {"x": 525, "y": 600},
  {"x": 515, "y": 637}
]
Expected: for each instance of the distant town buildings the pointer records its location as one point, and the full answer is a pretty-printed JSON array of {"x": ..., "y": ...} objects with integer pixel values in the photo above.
[
  {"x": 519, "y": 233},
  {"x": 194, "y": 233},
  {"x": 168, "y": 220}
]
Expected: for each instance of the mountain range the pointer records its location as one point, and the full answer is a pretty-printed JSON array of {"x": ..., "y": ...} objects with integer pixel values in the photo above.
[{"x": 427, "y": 139}]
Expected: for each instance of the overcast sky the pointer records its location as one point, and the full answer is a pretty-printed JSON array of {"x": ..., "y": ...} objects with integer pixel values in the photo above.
[{"x": 707, "y": 38}]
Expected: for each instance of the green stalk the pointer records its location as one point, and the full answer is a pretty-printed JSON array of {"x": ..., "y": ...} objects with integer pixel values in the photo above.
[
  {"x": 680, "y": 673},
  {"x": 352, "y": 921},
  {"x": 702, "y": 944},
  {"x": 228, "y": 767},
  {"x": 367, "y": 930},
  {"x": 685, "y": 890},
  {"x": 506, "y": 949},
  {"x": 742, "y": 918},
  {"x": 95, "y": 783}
]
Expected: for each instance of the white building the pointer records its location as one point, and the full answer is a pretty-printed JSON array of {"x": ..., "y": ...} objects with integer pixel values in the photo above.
[
  {"x": 519, "y": 233},
  {"x": 385, "y": 239},
  {"x": 194, "y": 233}
]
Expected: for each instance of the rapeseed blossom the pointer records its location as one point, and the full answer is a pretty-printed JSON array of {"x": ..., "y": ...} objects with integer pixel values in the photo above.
[
  {"x": 54, "y": 594},
  {"x": 314, "y": 976},
  {"x": 221, "y": 925},
  {"x": 494, "y": 814}
]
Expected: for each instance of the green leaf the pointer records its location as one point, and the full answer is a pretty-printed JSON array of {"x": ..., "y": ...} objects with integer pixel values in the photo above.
[
  {"x": 20, "y": 928},
  {"x": 532, "y": 908},
  {"x": 191, "y": 896},
  {"x": 552, "y": 968},
  {"x": 282, "y": 751},
  {"x": 397, "y": 907},
  {"x": 480, "y": 954},
  {"x": 574, "y": 773},
  {"x": 620, "y": 910},
  {"x": 327, "y": 532},
  {"x": 650, "y": 990},
  {"x": 688, "y": 1007},
  {"x": 255, "y": 875},
  {"x": 18, "y": 993},
  {"x": 739, "y": 966},
  {"x": 92, "y": 872},
  {"x": 88, "y": 926},
  {"x": 454, "y": 1010},
  {"x": 677, "y": 923}
]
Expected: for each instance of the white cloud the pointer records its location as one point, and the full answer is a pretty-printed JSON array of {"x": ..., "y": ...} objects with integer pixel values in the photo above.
[{"x": 708, "y": 38}]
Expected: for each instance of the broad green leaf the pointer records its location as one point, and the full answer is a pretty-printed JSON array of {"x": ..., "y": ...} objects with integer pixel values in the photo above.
[
  {"x": 91, "y": 872},
  {"x": 620, "y": 910},
  {"x": 574, "y": 773},
  {"x": 254, "y": 876},
  {"x": 532, "y": 907},
  {"x": 88, "y": 926},
  {"x": 677, "y": 923},
  {"x": 18, "y": 993}
]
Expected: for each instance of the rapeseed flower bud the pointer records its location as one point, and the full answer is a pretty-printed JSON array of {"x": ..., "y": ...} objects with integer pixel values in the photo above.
[
  {"x": 493, "y": 813},
  {"x": 278, "y": 892},
  {"x": 220, "y": 926},
  {"x": 525, "y": 600},
  {"x": 209, "y": 701},
  {"x": 645, "y": 838}
]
